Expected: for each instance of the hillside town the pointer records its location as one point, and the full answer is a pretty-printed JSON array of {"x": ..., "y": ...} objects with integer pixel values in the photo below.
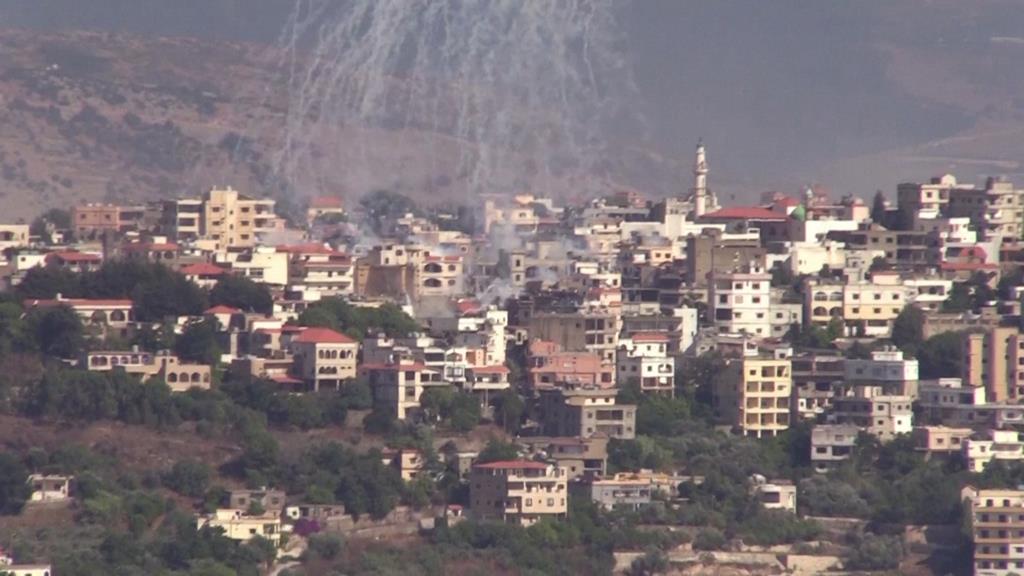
[{"x": 803, "y": 385}]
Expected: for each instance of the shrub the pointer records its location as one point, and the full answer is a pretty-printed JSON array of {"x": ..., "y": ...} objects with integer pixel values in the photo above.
[
  {"x": 708, "y": 539},
  {"x": 188, "y": 477}
]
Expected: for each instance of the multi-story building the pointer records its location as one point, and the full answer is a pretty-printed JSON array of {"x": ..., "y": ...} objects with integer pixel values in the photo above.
[
  {"x": 319, "y": 269},
  {"x": 179, "y": 376},
  {"x": 866, "y": 308},
  {"x": 887, "y": 369},
  {"x": 323, "y": 358},
  {"x": 262, "y": 264},
  {"x": 740, "y": 302},
  {"x": 577, "y": 456},
  {"x": 926, "y": 201},
  {"x": 997, "y": 210},
  {"x": 550, "y": 365},
  {"x": 618, "y": 492},
  {"x": 832, "y": 444},
  {"x": 13, "y": 236},
  {"x": 883, "y": 416},
  {"x": 996, "y": 518},
  {"x": 585, "y": 413},
  {"x": 518, "y": 491},
  {"x": 816, "y": 378},
  {"x": 595, "y": 331},
  {"x": 774, "y": 494},
  {"x": 88, "y": 220},
  {"x": 399, "y": 384},
  {"x": 980, "y": 449},
  {"x": 441, "y": 276},
  {"x": 644, "y": 358},
  {"x": 753, "y": 396},
  {"x": 939, "y": 400},
  {"x": 223, "y": 217},
  {"x": 994, "y": 359}
]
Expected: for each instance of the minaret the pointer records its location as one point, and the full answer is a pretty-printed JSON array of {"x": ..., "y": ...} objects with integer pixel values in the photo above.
[{"x": 700, "y": 181}]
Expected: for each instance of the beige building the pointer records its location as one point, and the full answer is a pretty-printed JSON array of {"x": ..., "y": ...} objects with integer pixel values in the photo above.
[
  {"x": 940, "y": 440},
  {"x": 866, "y": 308},
  {"x": 237, "y": 525},
  {"x": 49, "y": 488},
  {"x": 994, "y": 359},
  {"x": 13, "y": 236},
  {"x": 223, "y": 217},
  {"x": 832, "y": 444},
  {"x": 518, "y": 491},
  {"x": 774, "y": 494},
  {"x": 997, "y": 210},
  {"x": 594, "y": 331},
  {"x": 179, "y": 376},
  {"x": 586, "y": 412},
  {"x": 997, "y": 530},
  {"x": 979, "y": 450},
  {"x": 323, "y": 358},
  {"x": 398, "y": 385},
  {"x": 92, "y": 219},
  {"x": 753, "y": 396}
]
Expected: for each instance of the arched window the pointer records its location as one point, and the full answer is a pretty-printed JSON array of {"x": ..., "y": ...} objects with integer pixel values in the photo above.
[
  {"x": 172, "y": 378},
  {"x": 433, "y": 268},
  {"x": 432, "y": 283},
  {"x": 99, "y": 317},
  {"x": 196, "y": 377},
  {"x": 117, "y": 316},
  {"x": 820, "y": 311}
]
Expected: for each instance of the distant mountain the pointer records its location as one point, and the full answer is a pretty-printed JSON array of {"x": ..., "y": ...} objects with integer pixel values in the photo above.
[{"x": 856, "y": 96}]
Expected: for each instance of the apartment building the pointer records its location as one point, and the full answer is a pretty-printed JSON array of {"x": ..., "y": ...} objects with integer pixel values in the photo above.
[
  {"x": 880, "y": 415},
  {"x": 323, "y": 358},
  {"x": 398, "y": 385},
  {"x": 586, "y": 412},
  {"x": 997, "y": 210},
  {"x": 832, "y": 444},
  {"x": 816, "y": 378},
  {"x": 982, "y": 448},
  {"x": 887, "y": 369},
  {"x": 867, "y": 309},
  {"x": 939, "y": 400},
  {"x": 518, "y": 491},
  {"x": 996, "y": 529},
  {"x": 740, "y": 302},
  {"x": 577, "y": 456},
  {"x": 594, "y": 330},
  {"x": 89, "y": 220},
  {"x": 14, "y": 236},
  {"x": 753, "y": 396},
  {"x": 178, "y": 375},
  {"x": 994, "y": 359},
  {"x": 644, "y": 358},
  {"x": 319, "y": 269},
  {"x": 262, "y": 264},
  {"x": 926, "y": 201},
  {"x": 441, "y": 276},
  {"x": 223, "y": 218}
]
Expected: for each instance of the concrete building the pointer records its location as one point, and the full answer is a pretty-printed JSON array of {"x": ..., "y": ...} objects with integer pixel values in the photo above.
[
  {"x": 980, "y": 449},
  {"x": 774, "y": 494},
  {"x": 994, "y": 359},
  {"x": 816, "y": 379},
  {"x": 323, "y": 358},
  {"x": 550, "y": 365},
  {"x": 270, "y": 500},
  {"x": 14, "y": 236},
  {"x": 644, "y": 358},
  {"x": 595, "y": 331},
  {"x": 997, "y": 210},
  {"x": 996, "y": 530},
  {"x": 832, "y": 444},
  {"x": 518, "y": 491},
  {"x": 49, "y": 488},
  {"x": 940, "y": 440},
  {"x": 880, "y": 415},
  {"x": 939, "y": 400},
  {"x": 179, "y": 376},
  {"x": 753, "y": 396},
  {"x": 586, "y": 412},
  {"x": 89, "y": 220},
  {"x": 577, "y": 456},
  {"x": 619, "y": 492},
  {"x": 740, "y": 302},
  {"x": 398, "y": 385},
  {"x": 887, "y": 369},
  {"x": 237, "y": 525}
]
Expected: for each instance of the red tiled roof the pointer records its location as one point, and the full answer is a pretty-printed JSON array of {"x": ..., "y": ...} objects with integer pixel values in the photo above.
[
  {"x": 284, "y": 379},
  {"x": 72, "y": 256},
  {"x": 467, "y": 305},
  {"x": 222, "y": 310},
  {"x": 326, "y": 202},
  {"x": 203, "y": 269},
  {"x": 974, "y": 252},
  {"x": 322, "y": 336},
  {"x": 745, "y": 213},
  {"x": 513, "y": 465}
]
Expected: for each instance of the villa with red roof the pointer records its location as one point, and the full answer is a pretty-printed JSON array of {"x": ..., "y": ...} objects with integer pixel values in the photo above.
[
  {"x": 110, "y": 312},
  {"x": 203, "y": 274},
  {"x": 74, "y": 261},
  {"x": 518, "y": 491},
  {"x": 324, "y": 358}
]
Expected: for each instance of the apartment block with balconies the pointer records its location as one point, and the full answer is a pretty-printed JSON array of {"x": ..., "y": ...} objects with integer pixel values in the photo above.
[
  {"x": 586, "y": 412},
  {"x": 832, "y": 444},
  {"x": 754, "y": 396},
  {"x": 997, "y": 529},
  {"x": 644, "y": 359},
  {"x": 518, "y": 491}
]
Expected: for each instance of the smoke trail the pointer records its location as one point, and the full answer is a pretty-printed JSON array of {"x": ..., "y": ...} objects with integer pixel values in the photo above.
[{"x": 472, "y": 95}]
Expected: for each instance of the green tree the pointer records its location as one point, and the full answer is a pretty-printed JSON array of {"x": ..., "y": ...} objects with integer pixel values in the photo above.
[
  {"x": 199, "y": 343},
  {"x": 941, "y": 356},
  {"x": 58, "y": 331},
  {"x": 188, "y": 477},
  {"x": 497, "y": 450},
  {"x": 509, "y": 409},
  {"x": 14, "y": 489},
  {"x": 383, "y": 207},
  {"x": 242, "y": 293},
  {"x": 876, "y": 553},
  {"x": 908, "y": 329}
]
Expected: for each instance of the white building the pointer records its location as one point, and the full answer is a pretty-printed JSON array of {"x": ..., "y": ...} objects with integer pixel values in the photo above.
[
  {"x": 995, "y": 445},
  {"x": 644, "y": 358},
  {"x": 740, "y": 302}
]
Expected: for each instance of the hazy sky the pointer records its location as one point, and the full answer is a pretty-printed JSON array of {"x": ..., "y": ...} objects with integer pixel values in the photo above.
[{"x": 784, "y": 92}]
